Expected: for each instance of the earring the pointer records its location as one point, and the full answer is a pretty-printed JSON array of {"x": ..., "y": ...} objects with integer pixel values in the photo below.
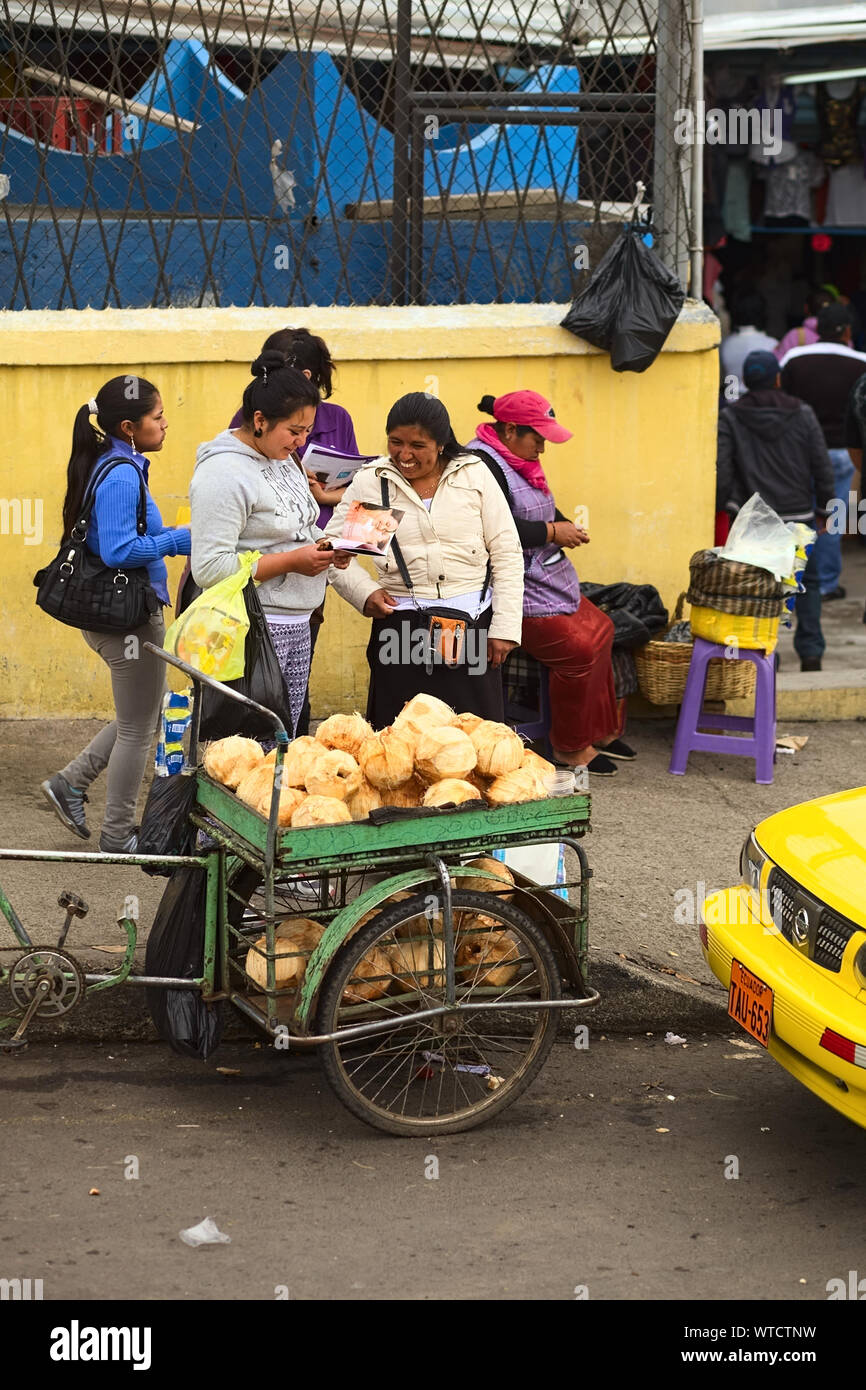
[{"x": 257, "y": 432}]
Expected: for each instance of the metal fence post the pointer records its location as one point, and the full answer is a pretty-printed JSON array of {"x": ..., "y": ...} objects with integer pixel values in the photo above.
[{"x": 402, "y": 151}]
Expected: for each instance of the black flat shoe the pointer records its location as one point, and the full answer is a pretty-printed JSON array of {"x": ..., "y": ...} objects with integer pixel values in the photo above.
[
  {"x": 600, "y": 766},
  {"x": 619, "y": 749},
  {"x": 838, "y": 592}
]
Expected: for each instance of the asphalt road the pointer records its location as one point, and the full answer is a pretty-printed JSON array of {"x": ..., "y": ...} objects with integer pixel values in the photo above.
[{"x": 609, "y": 1175}]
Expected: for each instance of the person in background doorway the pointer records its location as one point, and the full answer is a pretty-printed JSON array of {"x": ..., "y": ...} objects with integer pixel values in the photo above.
[
  {"x": 807, "y": 333},
  {"x": 855, "y": 441},
  {"x": 561, "y": 628},
  {"x": 823, "y": 374},
  {"x": 748, "y": 315},
  {"x": 771, "y": 443}
]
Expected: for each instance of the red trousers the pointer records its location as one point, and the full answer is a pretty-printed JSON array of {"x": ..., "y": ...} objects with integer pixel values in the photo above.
[{"x": 576, "y": 648}]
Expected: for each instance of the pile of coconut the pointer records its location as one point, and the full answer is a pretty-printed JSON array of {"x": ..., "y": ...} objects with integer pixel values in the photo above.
[
  {"x": 429, "y": 756},
  {"x": 485, "y": 953}
]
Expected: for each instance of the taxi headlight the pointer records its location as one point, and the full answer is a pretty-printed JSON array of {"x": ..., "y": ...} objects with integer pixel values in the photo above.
[
  {"x": 752, "y": 861},
  {"x": 860, "y": 965}
]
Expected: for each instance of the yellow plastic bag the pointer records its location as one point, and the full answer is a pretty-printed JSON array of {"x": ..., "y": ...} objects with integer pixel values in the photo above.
[{"x": 211, "y": 634}]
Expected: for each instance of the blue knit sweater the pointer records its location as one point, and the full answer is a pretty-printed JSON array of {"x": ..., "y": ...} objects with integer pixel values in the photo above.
[{"x": 112, "y": 533}]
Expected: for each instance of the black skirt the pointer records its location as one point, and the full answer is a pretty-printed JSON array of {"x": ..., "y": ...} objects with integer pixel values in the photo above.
[{"x": 397, "y": 656}]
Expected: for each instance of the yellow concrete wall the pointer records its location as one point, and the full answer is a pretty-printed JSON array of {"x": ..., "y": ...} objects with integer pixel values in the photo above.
[{"x": 642, "y": 458}]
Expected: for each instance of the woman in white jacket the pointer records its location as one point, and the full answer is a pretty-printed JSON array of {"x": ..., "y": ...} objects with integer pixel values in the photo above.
[{"x": 457, "y": 554}]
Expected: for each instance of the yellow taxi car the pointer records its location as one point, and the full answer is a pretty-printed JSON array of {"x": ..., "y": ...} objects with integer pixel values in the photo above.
[{"x": 789, "y": 945}]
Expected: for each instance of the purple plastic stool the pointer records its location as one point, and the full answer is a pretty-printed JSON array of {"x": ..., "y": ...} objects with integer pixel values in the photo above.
[{"x": 761, "y": 746}]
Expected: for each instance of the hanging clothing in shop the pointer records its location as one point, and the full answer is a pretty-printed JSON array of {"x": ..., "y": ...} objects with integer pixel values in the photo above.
[
  {"x": 736, "y": 213},
  {"x": 846, "y": 200},
  {"x": 838, "y": 106},
  {"x": 789, "y": 186},
  {"x": 778, "y": 107}
]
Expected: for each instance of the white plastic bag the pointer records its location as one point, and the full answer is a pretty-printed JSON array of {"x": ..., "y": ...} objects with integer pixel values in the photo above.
[{"x": 759, "y": 536}]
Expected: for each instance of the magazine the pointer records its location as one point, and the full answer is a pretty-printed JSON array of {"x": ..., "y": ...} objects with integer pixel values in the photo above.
[
  {"x": 331, "y": 467},
  {"x": 368, "y": 528}
]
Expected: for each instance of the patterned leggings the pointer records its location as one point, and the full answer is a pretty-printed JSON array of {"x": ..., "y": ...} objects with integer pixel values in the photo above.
[{"x": 292, "y": 645}]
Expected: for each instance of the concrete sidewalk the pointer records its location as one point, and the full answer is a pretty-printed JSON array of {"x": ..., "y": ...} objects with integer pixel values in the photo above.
[{"x": 658, "y": 844}]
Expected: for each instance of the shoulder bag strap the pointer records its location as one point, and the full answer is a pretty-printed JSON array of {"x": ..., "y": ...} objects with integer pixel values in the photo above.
[
  {"x": 100, "y": 472},
  {"x": 395, "y": 544},
  {"x": 401, "y": 563}
]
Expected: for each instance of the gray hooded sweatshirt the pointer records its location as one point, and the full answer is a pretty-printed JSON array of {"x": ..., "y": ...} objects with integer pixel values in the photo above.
[{"x": 242, "y": 501}]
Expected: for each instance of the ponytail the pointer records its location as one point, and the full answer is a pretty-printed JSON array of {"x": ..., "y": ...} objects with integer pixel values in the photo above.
[
  {"x": 276, "y": 389},
  {"x": 121, "y": 398}
]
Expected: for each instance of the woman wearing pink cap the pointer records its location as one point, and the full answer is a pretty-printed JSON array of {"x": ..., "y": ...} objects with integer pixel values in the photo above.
[{"x": 561, "y": 629}]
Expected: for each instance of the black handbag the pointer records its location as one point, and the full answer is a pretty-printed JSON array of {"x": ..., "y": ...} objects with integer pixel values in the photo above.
[{"x": 76, "y": 588}]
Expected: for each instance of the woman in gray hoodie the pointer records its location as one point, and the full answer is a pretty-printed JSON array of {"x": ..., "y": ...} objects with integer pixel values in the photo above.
[{"x": 249, "y": 491}]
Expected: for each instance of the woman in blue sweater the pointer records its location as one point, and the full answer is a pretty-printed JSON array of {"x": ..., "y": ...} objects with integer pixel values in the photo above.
[{"x": 124, "y": 421}]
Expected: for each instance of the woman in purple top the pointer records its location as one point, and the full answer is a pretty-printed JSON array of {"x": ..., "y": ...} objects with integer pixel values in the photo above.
[
  {"x": 333, "y": 427},
  {"x": 561, "y": 628}
]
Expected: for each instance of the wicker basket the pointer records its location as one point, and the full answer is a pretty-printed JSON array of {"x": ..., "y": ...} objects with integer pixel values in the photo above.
[{"x": 662, "y": 669}]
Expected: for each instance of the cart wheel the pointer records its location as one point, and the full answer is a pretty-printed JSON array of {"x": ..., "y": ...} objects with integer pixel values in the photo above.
[{"x": 448, "y": 1073}]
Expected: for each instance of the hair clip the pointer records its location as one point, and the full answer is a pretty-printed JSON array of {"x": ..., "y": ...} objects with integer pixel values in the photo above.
[
  {"x": 264, "y": 376},
  {"x": 92, "y": 406}
]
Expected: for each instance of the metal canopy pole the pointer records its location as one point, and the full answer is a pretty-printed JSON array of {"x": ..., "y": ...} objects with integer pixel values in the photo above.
[
  {"x": 669, "y": 157},
  {"x": 696, "y": 248}
]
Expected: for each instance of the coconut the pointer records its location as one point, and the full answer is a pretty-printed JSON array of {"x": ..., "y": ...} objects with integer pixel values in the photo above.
[
  {"x": 425, "y": 707},
  {"x": 519, "y": 785},
  {"x": 483, "y": 884},
  {"x": 228, "y": 760},
  {"x": 256, "y": 785},
  {"x": 362, "y": 987},
  {"x": 410, "y": 793},
  {"x": 301, "y": 756},
  {"x": 443, "y": 752},
  {"x": 301, "y": 935},
  {"x": 363, "y": 801},
  {"x": 499, "y": 748},
  {"x": 544, "y": 772},
  {"x": 467, "y": 722},
  {"x": 320, "y": 810},
  {"x": 345, "y": 732},
  {"x": 334, "y": 773},
  {"x": 485, "y": 959},
  {"x": 386, "y": 759},
  {"x": 451, "y": 791},
  {"x": 421, "y": 963},
  {"x": 290, "y": 799}
]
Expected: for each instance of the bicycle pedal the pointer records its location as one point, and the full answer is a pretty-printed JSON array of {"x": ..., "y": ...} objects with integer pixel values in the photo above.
[{"x": 13, "y": 1044}]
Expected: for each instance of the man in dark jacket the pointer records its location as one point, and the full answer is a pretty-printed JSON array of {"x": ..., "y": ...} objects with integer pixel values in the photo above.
[
  {"x": 772, "y": 443},
  {"x": 822, "y": 374}
]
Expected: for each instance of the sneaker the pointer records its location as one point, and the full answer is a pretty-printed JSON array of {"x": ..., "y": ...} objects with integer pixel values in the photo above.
[
  {"x": 810, "y": 663},
  {"x": 67, "y": 803},
  {"x": 127, "y": 846},
  {"x": 619, "y": 749}
]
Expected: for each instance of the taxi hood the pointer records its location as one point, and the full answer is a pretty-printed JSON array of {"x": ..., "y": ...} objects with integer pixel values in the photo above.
[{"x": 821, "y": 845}]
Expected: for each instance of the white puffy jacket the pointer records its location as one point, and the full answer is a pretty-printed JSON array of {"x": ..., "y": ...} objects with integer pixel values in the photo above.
[{"x": 446, "y": 549}]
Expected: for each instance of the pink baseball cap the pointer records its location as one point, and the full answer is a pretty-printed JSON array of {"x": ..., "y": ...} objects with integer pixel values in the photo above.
[{"x": 528, "y": 408}]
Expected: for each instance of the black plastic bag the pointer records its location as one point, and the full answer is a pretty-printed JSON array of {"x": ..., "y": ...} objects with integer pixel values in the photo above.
[
  {"x": 175, "y": 947},
  {"x": 165, "y": 825},
  {"x": 262, "y": 681},
  {"x": 630, "y": 304}
]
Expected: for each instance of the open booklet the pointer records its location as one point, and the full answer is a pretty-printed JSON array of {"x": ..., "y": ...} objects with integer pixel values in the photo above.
[
  {"x": 368, "y": 528},
  {"x": 331, "y": 467}
]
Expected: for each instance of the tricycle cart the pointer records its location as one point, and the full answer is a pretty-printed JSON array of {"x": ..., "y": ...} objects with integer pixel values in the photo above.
[{"x": 432, "y": 1004}]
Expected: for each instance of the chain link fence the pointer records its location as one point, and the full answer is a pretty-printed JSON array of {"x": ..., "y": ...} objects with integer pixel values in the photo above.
[{"x": 195, "y": 152}]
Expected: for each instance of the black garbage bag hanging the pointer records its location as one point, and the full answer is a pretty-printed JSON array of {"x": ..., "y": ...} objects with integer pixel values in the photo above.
[
  {"x": 165, "y": 824},
  {"x": 262, "y": 681},
  {"x": 629, "y": 305},
  {"x": 175, "y": 948}
]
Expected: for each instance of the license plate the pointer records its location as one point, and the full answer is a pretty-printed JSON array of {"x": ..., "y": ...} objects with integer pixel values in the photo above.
[{"x": 750, "y": 1003}]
